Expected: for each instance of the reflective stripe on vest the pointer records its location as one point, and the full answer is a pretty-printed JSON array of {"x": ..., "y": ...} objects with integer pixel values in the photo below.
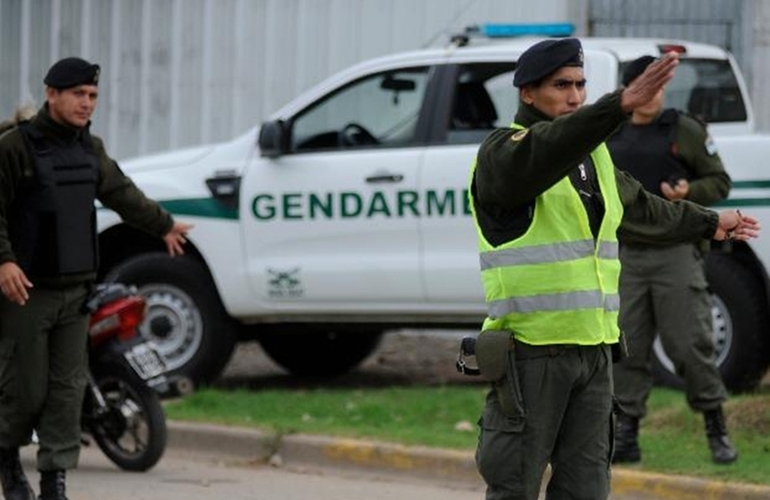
[
  {"x": 555, "y": 283},
  {"x": 547, "y": 253},
  {"x": 555, "y": 302}
]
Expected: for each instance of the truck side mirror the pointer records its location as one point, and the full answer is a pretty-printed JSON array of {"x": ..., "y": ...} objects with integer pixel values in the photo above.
[{"x": 273, "y": 139}]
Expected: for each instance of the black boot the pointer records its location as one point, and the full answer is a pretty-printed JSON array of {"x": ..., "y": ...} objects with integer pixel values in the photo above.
[
  {"x": 722, "y": 450},
  {"x": 52, "y": 485},
  {"x": 15, "y": 484},
  {"x": 626, "y": 440}
]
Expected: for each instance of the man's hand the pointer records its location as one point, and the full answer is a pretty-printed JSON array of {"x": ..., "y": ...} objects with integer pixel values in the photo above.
[
  {"x": 733, "y": 225},
  {"x": 176, "y": 237},
  {"x": 14, "y": 283},
  {"x": 676, "y": 192},
  {"x": 640, "y": 91}
]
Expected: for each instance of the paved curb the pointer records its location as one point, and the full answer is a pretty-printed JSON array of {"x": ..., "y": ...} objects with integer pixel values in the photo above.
[{"x": 259, "y": 446}]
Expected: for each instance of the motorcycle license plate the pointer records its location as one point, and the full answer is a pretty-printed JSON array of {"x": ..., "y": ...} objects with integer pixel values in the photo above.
[{"x": 146, "y": 361}]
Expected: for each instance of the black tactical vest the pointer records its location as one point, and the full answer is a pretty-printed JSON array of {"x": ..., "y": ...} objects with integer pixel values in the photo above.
[
  {"x": 647, "y": 152},
  {"x": 53, "y": 218}
]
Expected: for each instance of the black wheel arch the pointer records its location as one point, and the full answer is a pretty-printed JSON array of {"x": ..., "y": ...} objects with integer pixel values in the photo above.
[{"x": 122, "y": 242}]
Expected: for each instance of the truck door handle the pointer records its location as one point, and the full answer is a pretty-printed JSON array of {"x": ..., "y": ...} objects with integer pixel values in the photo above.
[{"x": 385, "y": 178}]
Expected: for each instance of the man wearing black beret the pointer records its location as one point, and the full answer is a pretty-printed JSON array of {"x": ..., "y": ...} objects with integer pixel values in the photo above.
[
  {"x": 663, "y": 287},
  {"x": 549, "y": 207},
  {"x": 71, "y": 72},
  {"x": 52, "y": 170}
]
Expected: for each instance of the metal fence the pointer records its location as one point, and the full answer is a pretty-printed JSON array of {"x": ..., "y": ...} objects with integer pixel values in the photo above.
[{"x": 184, "y": 72}]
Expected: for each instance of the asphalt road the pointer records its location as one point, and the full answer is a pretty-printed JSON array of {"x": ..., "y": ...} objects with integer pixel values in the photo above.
[
  {"x": 194, "y": 477},
  {"x": 214, "y": 473}
]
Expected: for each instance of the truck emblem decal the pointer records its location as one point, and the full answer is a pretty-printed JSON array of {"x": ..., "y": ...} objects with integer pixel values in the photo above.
[{"x": 284, "y": 284}]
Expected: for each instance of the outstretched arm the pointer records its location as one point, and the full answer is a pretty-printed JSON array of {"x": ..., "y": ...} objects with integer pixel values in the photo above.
[
  {"x": 176, "y": 237},
  {"x": 652, "y": 220}
]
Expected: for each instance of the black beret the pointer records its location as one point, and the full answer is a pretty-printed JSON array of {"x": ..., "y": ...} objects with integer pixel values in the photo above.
[
  {"x": 636, "y": 68},
  {"x": 71, "y": 72},
  {"x": 545, "y": 57}
]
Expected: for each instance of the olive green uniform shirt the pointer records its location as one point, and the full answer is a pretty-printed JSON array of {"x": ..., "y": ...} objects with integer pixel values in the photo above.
[
  {"x": 710, "y": 182},
  {"x": 115, "y": 190}
]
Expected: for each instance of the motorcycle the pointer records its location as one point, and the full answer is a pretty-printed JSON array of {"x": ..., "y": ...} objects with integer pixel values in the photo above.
[{"x": 122, "y": 411}]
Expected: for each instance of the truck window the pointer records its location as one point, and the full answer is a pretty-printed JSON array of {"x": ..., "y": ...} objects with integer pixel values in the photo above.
[
  {"x": 484, "y": 99},
  {"x": 706, "y": 88},
  {"x": 379, "y": 110}
]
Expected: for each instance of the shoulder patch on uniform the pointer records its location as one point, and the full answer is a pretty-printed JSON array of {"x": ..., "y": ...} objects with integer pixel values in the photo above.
[
  {"x": 695, "y": 117},
  {"x": 711, "y": 147},
  {"x": 519, "y": 135}
]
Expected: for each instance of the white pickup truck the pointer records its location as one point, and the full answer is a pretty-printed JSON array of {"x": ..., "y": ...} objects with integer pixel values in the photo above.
[{"x": 345, "y": 215}]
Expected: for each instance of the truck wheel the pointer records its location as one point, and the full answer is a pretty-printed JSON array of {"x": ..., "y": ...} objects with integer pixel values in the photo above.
[
  {"x": 185, "y": 317},
  {"x": 738, "y": 313},
  {"x": 319, "y": 354}
]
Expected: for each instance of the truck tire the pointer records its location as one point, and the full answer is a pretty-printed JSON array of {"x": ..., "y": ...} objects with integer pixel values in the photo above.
[
  {"x": 738, "y": 312},
  {"x": 185, "y": 317},
  {"x": 319, "y": 354}
]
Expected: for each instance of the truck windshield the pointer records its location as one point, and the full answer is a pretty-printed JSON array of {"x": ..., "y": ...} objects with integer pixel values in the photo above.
[{"x": 706, "y": 88}]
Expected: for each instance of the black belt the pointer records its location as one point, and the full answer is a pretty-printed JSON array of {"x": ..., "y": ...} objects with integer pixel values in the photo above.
[{"x": 529, "y": 351}]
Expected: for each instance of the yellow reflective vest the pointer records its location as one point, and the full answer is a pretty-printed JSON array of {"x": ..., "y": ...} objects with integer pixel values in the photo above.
[{"x": 555, "y": 284}]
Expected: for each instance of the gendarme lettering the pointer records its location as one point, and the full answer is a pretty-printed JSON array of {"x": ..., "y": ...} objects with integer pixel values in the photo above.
[{"x": 351, "y": 205}]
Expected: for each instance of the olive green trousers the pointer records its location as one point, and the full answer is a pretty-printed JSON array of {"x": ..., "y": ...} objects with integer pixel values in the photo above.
[
  {"x": 43, "y": 372},
  {"x": 663, "y": 290},
  {"x": 564, "y": 418}
]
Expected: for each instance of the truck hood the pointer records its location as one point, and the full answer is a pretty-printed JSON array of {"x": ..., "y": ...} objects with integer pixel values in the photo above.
[{"x": 170, "y": 159}]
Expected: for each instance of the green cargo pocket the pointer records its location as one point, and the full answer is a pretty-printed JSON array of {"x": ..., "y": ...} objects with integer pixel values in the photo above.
[{"x": 500, "y": 454}]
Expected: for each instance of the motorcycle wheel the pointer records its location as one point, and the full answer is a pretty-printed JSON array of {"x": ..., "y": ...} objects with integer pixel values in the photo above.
[{"x": 132, "y": 432}]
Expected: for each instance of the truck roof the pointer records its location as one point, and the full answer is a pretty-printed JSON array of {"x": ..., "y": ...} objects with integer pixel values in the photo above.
[
  {"x": 624, "y": 49},
  {"x": 480, "y": 48}
]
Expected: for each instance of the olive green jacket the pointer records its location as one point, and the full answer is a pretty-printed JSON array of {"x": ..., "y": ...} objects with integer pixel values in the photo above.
[
  {"x": 710, "y": 182},
  {"x": 515, "y": 167},
  {"x": 115, "y": 190}
]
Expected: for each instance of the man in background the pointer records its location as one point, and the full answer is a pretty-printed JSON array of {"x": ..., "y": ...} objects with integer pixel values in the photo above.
[{"x": 663, "y": 288}]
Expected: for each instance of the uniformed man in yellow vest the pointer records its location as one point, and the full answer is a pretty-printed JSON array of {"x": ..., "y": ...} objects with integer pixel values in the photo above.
[{"x": 548, "y": 206}]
